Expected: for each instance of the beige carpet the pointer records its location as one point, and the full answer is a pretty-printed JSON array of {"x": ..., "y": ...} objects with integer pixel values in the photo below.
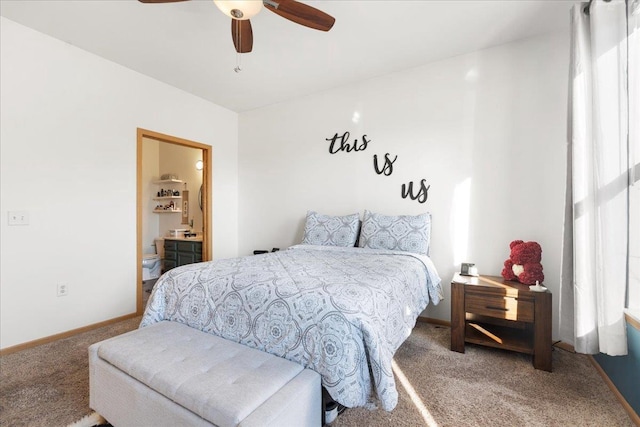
[
  {"x": 489, "y": 387},
  {"x": 48, "y": 386}
]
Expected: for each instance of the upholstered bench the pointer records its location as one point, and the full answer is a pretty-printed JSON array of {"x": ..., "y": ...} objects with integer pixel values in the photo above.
[{"x": 168, "y": 374}]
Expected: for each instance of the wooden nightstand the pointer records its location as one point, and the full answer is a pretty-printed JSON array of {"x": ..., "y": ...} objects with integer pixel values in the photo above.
[{"x": 491, "y": 311}]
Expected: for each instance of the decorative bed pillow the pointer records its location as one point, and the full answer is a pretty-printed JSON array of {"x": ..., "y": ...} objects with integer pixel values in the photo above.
[
  {"x": 327, "y": 230},
  {"x": 402, "y": 232}
]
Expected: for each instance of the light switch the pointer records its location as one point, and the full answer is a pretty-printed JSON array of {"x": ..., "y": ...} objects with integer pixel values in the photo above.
[{"x": 18, "y": 218}]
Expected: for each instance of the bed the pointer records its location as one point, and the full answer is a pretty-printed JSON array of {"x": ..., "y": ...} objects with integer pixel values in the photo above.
[{"x": 342, "y": 311}]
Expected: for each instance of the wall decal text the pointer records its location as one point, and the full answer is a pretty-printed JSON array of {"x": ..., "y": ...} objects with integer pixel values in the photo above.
[
  {"x": 421, "y": 196},
  {"x": 387, "y": 167},
  {"x": 338, "y": 143},
  {"x": 344, "y": 145}
]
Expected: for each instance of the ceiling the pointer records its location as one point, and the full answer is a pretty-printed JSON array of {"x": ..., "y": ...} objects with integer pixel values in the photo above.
[{"x": 188, "y": 44}]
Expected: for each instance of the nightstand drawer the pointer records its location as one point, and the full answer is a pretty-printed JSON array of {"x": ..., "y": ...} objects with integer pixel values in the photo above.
[{"x": 501, "y": 307}]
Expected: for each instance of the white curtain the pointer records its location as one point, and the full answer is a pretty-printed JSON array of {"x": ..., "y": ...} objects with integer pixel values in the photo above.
[{"x": 601, "y": 221}]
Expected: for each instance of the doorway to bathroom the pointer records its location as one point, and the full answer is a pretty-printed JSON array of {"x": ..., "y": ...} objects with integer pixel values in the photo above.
[{"x": 173, "y": 201}]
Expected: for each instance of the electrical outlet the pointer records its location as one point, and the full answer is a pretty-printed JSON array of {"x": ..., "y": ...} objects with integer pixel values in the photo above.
[
  {"x": 63, "y": 289},
  {"x": 18, "y": 217}
]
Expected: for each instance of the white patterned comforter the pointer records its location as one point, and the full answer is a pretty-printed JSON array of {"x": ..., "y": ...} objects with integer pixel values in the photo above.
[{"x": 342, "y": 312}]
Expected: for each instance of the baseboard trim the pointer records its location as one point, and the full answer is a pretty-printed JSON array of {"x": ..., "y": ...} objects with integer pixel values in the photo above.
[
  {"x": 632, "y": 320},
  {"x": 632, "y": 414},
  {"x": 565, "y": 346},
  {"x": 62, "y": 335}
]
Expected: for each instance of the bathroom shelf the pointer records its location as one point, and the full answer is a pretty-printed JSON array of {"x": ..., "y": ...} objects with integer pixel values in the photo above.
[
  {"x": 168, "y": 195},
  {"x": 169, "y": 181}
]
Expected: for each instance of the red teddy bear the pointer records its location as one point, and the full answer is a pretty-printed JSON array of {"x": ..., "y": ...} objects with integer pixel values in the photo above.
[{"x": 524, "y": 264}]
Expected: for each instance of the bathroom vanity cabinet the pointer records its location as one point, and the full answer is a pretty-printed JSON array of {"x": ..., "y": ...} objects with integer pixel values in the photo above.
[{"x": 179, "y": 252}]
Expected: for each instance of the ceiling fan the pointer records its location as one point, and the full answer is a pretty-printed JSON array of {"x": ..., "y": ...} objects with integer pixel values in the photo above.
[{"x": 240, "y": 11}]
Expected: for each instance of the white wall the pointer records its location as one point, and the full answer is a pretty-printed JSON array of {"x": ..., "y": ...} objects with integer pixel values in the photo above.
[
  {"x": 150, "y": 174},
  {"x": 68, "y": 158},
  {"x": 486, "y": 130}
]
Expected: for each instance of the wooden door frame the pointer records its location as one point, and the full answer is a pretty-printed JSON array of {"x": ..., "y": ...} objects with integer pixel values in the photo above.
[{"x": 207, "y": 230}]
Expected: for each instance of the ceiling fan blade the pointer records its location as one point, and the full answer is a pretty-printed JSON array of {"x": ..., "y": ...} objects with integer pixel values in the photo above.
[
  {"x": 301, "y": 13},
  {"x": 160, "y": 1},
  {"x": 242, "y": 35}
]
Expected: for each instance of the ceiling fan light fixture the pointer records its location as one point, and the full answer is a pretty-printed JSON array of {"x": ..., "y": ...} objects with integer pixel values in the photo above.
[{"x": 239, "y": 9}]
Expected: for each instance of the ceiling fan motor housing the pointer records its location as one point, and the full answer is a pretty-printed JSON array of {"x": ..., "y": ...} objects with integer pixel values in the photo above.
[{"x": 239, "y": 9}]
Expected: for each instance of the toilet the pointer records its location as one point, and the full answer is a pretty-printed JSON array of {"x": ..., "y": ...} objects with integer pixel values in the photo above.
[
  {"x": 150, "y": 266},
  {"x": 152, "y": 263}
]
